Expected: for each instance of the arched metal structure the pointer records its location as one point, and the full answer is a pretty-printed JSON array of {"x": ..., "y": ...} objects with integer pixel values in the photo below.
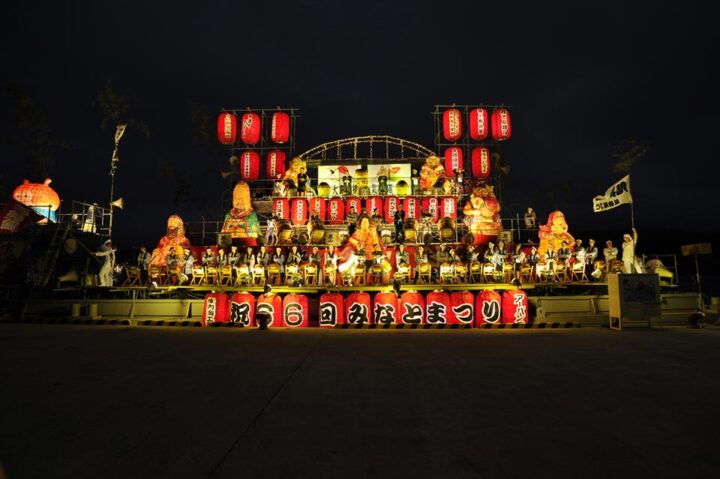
[{"x": 372, "y": 148}]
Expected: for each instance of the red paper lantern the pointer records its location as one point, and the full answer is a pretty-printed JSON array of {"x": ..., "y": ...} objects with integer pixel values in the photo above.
[
  {"x": 374, "y": 202},
  {"x": 515, "y": 307},
  {"x": 480, "y": 162},
  {"x": 250, "y": 128},
  {"x": 478, "y": 125},
  {"x": 385, "y": 308},
  {"x": 227, "y": 128},
  {"x": 437, "y": 307},
  {"x": 271, "y": 304},
  {"x": 295, "y": 311},
  {"x": 487, "y": 308},
  {"x": 452, "y": 124},
  {"x": 353, "y": 202},
  {"x": 336, "y": 211},
  {"x": 412, "y": 308},
  {"x": 453, "y": 160},
  {"x": 412, "y": 207},
  {"x": 358, "y": 308},
  {"x": 298, "y": 211},
  {"x": 501, "y": 129},
  {"x": 318, "y": 207},
  {"x": 462, "y": 308},
  {"x": 332, "y": 310},
  {"x": 275, "y": 164},
  {"x": 391, "y": 206},
  {"x": 216, "y": 309},
  {"x": 242, "y": 309},
  {"x": 250, "y": 166},
  {"x": 449, "y": 207},
  {"x": 280, "y": 127},
  {"x": 281, "y": 208},
  {"x": 431, "y": 206}
]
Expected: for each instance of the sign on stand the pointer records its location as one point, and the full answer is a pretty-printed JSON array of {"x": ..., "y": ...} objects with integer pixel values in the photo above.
[{"x": 633, "y": 297}]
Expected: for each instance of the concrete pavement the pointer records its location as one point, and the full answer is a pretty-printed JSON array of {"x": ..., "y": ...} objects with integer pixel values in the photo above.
[{"x": 90, "y": 402}]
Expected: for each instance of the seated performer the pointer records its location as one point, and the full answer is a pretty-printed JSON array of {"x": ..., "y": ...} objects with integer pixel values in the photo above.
[
  {"x": 551, "y": 260},
  {"x": 579, "y": 254},
  {"x": 262, "y": 258},
  {"x": 563, "y": 254},
  {"x": 441, "y": 257},
  {"x": 221, "y": 257},
  {"x": 610, "y": 253},
  {"x": 279, "y": 258},
  {"x": 188, "y": 265},
  {"x": 233, "y": 258},
  {"x": 209, "y": 259},
  {"x": 519, "y": 259},
  {"x": 591, "y": 255},
  {"x": 172, "y": 260},
  {"x": 421, "y": 258}
]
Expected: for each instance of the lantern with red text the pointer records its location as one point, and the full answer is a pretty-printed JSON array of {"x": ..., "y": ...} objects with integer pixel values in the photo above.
[
  {"x": 374, "y": 203},
  {"x": 353, "y": 202},
  {"x": 412, "y": 308},
  {"x": 318, "y": 207},
  {"x": 487, "y": 308},
  {"x": 358, "y": 308},
  {"x": 391, "y": 206},
  {"x": 281, "y": 208},
  {"x": 501, "y": 129},
  {"x": 227, "y": 128},
  {"x": 462, "y": 308},
  {"x": 275, "y": 163},
  {"x": 437, "y": 307},
  {"x": 515, "y": 307},
  {"x": 336, "y": 211},
  {"x": 216, "y": 309},
  {"x": 452, "y": 124},
  {"x": 478, "y": 125},
  {"x": 480, "y": 158},
  {"x": 298, "y": 211},
  {"x": 242, "y": 309},
  {"x": 280, "y": 127},
  {"x": 332, "y": 310},
  {"x": 449, "y": 207},
  {"x": 431, "y": 206},
  {"x": 453, "y": 160},
  {"x": 412, "y": 206},
  {"x": 250, "y": 128},
  {"x": 250, "y": 165},
  {"x": 295, "y": 311},
  {"x": 272, "y": 305},
  {"x": 385, "y": 308}
]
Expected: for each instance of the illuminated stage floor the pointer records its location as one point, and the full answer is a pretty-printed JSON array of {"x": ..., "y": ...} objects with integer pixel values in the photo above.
[{"x": 88, "y": 402}]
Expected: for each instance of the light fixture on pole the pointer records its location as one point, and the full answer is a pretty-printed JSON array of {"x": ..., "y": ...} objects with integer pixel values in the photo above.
[{"x": 119, "y": 132}]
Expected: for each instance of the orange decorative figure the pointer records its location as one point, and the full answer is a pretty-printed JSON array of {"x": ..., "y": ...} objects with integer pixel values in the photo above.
[
  {"x": 555, "y": 232},
  {"x": 430, "y": 172},
  {"x": 363, "y": 240},
  {"x": 297, "y": 166},
  {"x": 241, "y": 221},
  {"x": 482, "y": 214},
  {"x": 174, "y": 237},
  {"x": 40, "y": 197}
]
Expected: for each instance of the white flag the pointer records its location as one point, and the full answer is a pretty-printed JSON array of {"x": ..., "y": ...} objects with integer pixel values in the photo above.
[{"x": 618, "y": 194}]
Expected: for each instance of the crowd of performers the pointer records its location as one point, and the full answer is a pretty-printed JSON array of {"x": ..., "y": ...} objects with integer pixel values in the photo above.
[{"x": 363, "y": 260}]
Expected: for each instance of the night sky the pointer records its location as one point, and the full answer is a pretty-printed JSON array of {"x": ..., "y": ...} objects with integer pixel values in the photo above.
[{"x": 580, "y": 80}]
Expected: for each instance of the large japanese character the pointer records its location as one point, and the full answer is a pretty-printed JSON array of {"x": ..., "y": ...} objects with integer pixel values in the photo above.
[
  {"x": 293, "y": 313},
  {"x": 491, "y": 311},
  {"x": 384, "y": 313},
  {"x": 463, "y": 312},
  {"x": 328, "y": 314},
  {"x": 413, "y": 314},
  {"x": 240, "y": 313},
  {"x": 358, "y": 314},
  {"x": 520, "y": 309},
  {"x": 436, "y": 313}
]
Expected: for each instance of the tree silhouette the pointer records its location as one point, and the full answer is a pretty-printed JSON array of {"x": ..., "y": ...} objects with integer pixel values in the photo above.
[
  {"x": 31, "y": 135},
  {"x": 116, "y": 109},
  {"x": 628, "y": 152}
]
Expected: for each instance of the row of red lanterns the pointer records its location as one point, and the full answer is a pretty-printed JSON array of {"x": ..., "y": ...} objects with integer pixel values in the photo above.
[
  {"x": 251, "y": 128},
  {"x": 479, "y": 128},
  {"x": 386, "y": 307},
  {"x": 249, "y": 164},
  {"x": 334, "y": 210},
  {"x": 479, "y": 160}
]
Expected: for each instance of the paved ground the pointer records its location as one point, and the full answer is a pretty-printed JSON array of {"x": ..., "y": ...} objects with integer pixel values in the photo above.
[{"x": 102, "y": 402}]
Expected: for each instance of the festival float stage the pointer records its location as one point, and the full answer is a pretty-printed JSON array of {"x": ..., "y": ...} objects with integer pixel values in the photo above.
[{"x": 416, "y": 234}]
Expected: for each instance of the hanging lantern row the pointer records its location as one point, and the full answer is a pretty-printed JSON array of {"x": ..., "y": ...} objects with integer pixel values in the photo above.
[
  {"x": 386, "y": 307},
  {"x": 479, "y": 157},
  {"x": 251, "y": 128},
  {"x": 334, "y": 210},
  {"x": 479, "y": 128}
]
